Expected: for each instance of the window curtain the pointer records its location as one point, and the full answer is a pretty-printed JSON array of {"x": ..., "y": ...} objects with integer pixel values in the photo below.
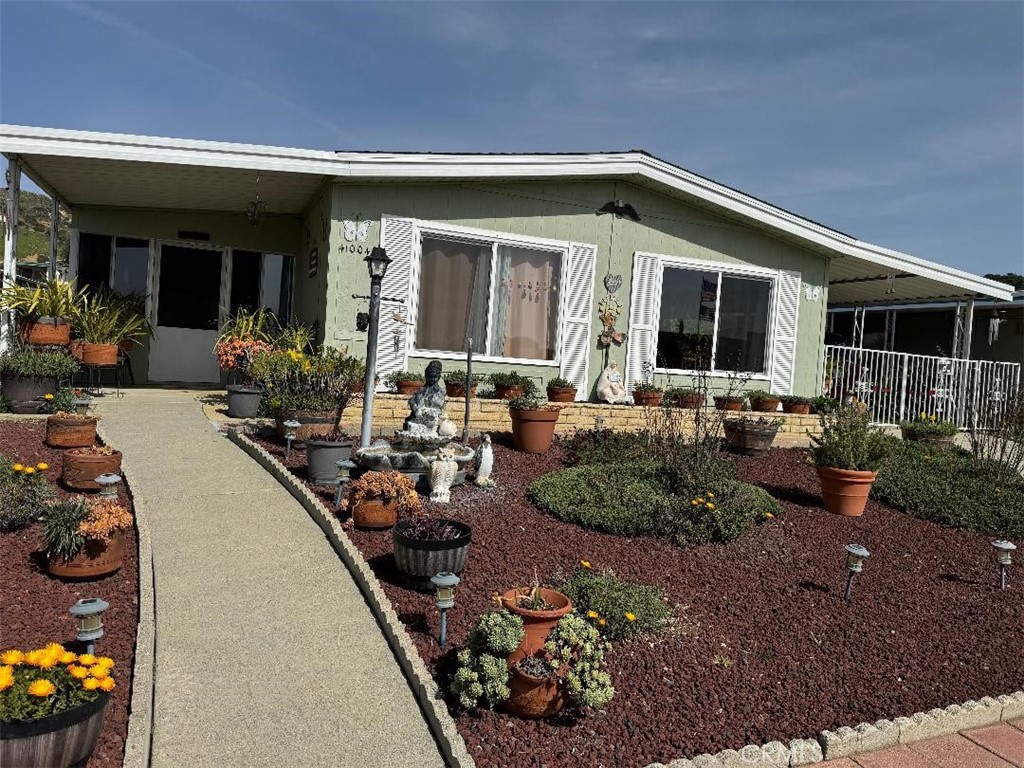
[
  {"x": 454, "y": 281},
  {"x": 530, "y": 295}
]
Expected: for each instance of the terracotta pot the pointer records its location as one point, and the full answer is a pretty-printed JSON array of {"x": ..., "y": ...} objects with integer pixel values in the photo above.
[
  {"x": 534, "y": 697},
  {"x": 724, "y": 403},
  {"x": 765, "y": 404},
  {"x": 77, "y": 349},
  {"x": 845, "y": 491},
  {"x": 533, "y": 430},
  {"x": 749, "y": 440},
  {"x": 54, "y": 741},
  {"x": 125, "y": 346},
  {"x": 374, "y": 513},
  {"x": 99, "y": 354},
  {"x": 311, "y": 423},
  {"x": 650, "y": 399},
  {"x": 46, "y": 331},
  {"x": 800, "y": 408},
  {"x": 81, "y": 470},
  {"x": 693, "y": 401},
  {"x": 70, "y": 433},
  {"x": 409, "y": 387},
  {"x": 508, "y": 391},
  {"x": 536, "y": 624},
  {"x": 561, "y": 394},
  {"x": 420, "y": 559},
  {"x": 458, "y": 390},
  {"x": 95, "y": 559}
]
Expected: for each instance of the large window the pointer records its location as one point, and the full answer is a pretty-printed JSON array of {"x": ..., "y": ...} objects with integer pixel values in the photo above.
[
  {"x": 713, "y": 321},
  {"x": 504, "y": 297}
]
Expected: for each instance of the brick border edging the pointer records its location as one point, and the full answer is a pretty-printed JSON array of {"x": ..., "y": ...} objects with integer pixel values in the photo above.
[{"x": 441, "y": 724}]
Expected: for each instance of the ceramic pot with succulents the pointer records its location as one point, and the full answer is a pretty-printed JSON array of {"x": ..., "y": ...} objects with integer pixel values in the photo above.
[
  {"x": 509, "y": 386},
  {"x": 533, "y": 424},
  {"x": 540, "y": 609},
  {"x": 84, "y": 537},
  {"x": 83, "y": 465},
  {"x": 455, "y": 383},
  {"x": 535, "y": 690}
]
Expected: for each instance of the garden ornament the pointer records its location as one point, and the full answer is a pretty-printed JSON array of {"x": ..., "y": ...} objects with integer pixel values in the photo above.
[
  {"x": 442, "y": 474},
  {"x": 427, "y": 405},
  {"x": 446, "y": 428},
  {"x": 88, "y": 612},
  {"x": 484, "y": 463},
  {"x": 444, "y": 598},
  {"x": 1004, "y": 554},
  {"x": 610, "y": 387}
]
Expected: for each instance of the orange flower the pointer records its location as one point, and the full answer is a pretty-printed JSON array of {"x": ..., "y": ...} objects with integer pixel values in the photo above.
[
  {"x": 87, "y": 659},
  {"x": 67, "y": 658},
  {"x": 79, "y": 673},
  {"x": 6, "y": 678},
  {"x": 710, "y": 505},
  {"x": 602, "y": 622},
  {"x": 41, "y": 688},
  {"x": 30, "y": 470},
  {"x": 105, "y": 661},
  {"x": 12, "y": 657},
  {"x": 107, "y": 684},
  {"x": 47, "y": 661},
  {"x": 99, "y": 672},
  {"x": 32, "y": 657},
  {"x": 90, "y": 683}
]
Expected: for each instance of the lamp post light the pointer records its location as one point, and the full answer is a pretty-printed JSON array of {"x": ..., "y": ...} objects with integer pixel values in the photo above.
[
  {"x": 855, "y": 557},
  {"x": 444, "y": 599},
  {"x": 88, "y": 612},
  {"x": 291, "y": 429},
  {"x": 377, "y": 261},
  {"x": 1004, "y": 555},
  {"x": 108, "y": 485}
]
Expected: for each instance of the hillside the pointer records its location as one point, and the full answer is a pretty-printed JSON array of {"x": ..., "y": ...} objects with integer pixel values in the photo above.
[{"x": 34, "y": 233}]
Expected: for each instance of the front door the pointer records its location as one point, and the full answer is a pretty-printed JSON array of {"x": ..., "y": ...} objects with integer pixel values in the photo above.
[{"x": 189, "y": 294}]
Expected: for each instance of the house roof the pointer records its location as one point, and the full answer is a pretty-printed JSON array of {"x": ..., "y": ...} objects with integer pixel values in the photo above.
[{"x": 89, "y": 168}]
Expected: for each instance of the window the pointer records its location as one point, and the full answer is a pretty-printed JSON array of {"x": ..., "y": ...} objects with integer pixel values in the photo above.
[
  {"x": 503, "y": 296},
  {"x": 131, "y": 266},
  {"x": 713, "y": 321}
]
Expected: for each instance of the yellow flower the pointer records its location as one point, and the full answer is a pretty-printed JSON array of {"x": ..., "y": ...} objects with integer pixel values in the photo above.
[
  {"x": 47, "y": 661},
  {"x": 769, "y": 515},
  {"x": 694, "y": 503},
  {"x": 48, "y": 396},
  {"x": 710, "y": 505},
  {"x": 90, "y": 683},
  {"x": 42, "y": 466},
  {"x": 107, "y": 684},
  {"x": 86, "y": 659},
  {"x": 710, "y": 495},
  {"x": 67, "y": 658},
  {"x": 700, "y": 500},
  {"x": 602, "y": 622},
  {"x": 630, "y": 616},
  {"x": 54, "y": 648},
  {"x": 933, "y": 417},
  {"x": 30, "y": 470},
  {"x": 79, "y": 673},
  {"x": 12, "y": 657},
  {"x": 105, "y": 661},
  {"x": 41, "y": 688},
  {"x": 98, "y": 671},
  {"x": 924, "y": 415},
  {"x": 584, "y": 563},
  {"x": 17, "y": 468},
  {"x": 591, "y": 614},
  {"x": 6, "y": 678},
  {"x": 32, "y": 657}
]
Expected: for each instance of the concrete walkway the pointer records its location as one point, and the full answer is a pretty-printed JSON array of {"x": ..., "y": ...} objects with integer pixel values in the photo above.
[{"x": 266, "y": 653}]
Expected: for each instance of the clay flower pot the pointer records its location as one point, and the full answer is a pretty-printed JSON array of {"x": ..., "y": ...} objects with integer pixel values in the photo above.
[
  {"x": 561, "y": 394},
  {"x": 64, "y": 432},
  {"x": 99, "y": 354},
  {"x": 765, "y": 404},
  {"x": 845, "y": 491},
  {"x": 374, "y": 513},
  {"x": 797, "y": 408},
  {"x": 650, "y": 398},
  {"x": 728, "y": 403},
  {"x": 536, "y": 624},
  {"x": 534, "y": 697},
  {"x": 458, "y": 390},
  {"x": 508, "y": 391},
  {"x": 81, "y": 470},
  {"x": 311, "y": 423},
  {"x": 46, "y": 331},
  {"x": 533, "y": 430},
  {"x": 692, "y": 401},
  {"x": 95, "y": 559},
  {"x": 63, "y": 739},
  {"x": 409, "y": 387}
]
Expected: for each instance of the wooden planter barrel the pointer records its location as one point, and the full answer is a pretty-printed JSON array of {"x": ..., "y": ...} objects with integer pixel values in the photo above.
[
  {"x": 95, "y": 560},
  {"x": 55, "y": 741},
  {"x": 81, "y": 470},
  {"x": 420, "y": 559},
  {"x": 46, "y": 331},
  {"x": 70, "y": 433},
  {"x": 536, "y": 624},
  {"x": 749, "y": 439},
  {"x": 99, "y": 354}
]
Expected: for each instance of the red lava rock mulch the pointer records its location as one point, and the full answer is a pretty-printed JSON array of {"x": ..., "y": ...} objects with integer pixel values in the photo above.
[
  {"x": 762, "y": 647},
  {"x": 35, "y": 604}
]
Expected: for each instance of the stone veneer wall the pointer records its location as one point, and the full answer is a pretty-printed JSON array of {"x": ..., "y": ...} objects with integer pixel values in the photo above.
[{"x": 490, "y": 415}]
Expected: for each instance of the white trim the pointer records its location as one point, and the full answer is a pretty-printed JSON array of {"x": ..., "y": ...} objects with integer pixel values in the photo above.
[
  {"x": 428, "y": 354},
  {"x": 685, "y": 262},
  {"x": 382, "y": 165},
  {"x": 502, "y": 238}
]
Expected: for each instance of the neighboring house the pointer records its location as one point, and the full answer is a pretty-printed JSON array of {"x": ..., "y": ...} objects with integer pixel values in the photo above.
[{"x": 510, "y": 250}]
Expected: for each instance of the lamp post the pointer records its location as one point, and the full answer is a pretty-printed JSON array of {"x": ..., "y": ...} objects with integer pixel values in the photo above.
[
  {"x": 89, "y": 613},
  {"x": 1004, "y": 553},
  {"x": 444, "y": 598},
  {"x": 855, "y": 557},
  {"x": 291, "y": 428},
  {"x": 108, "y": 485},
  {"x": 377, "y": 261}
]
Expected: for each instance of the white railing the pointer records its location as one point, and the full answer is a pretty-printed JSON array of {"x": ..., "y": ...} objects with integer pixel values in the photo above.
[{"x": 898, "y": 386}]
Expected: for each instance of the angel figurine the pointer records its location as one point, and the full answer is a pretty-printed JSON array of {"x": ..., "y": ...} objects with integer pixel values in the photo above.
[{"x": 610, "y": 387}]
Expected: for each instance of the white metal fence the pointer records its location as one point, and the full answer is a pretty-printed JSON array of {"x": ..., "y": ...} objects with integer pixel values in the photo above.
[{"x": 898, "y": 386}]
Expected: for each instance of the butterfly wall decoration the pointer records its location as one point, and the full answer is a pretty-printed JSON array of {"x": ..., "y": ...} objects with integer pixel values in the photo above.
[{"x": 356, "y": 231}]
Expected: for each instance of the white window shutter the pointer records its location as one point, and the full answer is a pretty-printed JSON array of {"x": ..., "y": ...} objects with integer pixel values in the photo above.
[
  {"x": 578, "y": 298},
  {"x": 787, "y": 308},
  {"x": 398, "y": 238},
  {"x": 644, "y": 307}
]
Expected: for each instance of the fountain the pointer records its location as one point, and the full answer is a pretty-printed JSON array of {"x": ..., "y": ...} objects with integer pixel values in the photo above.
[{"x": 426, "y": 431}]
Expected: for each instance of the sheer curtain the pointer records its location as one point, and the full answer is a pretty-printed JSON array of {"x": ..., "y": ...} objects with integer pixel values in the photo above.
[{"x": 526, "y": 308}]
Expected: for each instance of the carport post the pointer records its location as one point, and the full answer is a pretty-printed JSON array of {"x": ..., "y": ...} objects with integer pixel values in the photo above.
[
  {"x": 51, "y": 267},
  {"x": 10, "y": 243}
]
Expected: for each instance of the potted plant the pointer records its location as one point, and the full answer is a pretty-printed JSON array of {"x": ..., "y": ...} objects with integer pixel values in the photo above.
[
  {"x": 540, "y": 609},
  {"x": 425, "y": 547},
  {"x": 817, "y": 405},
  {"x": 763, "y": 401},
  {"x": 847, "y": 457},
  {"x": 684, "y": 397},
  {"x": 323, "y": 452},
  {"x": 750, "y": 436},
  {"x": 104, "y": 322},
  {"x": 52, "y": 705},
  {"x": 646, "y": 393},
  {"x": 729, "y": 402},
  {"x": 509, "y": 386},
  {"x": 44, "y": 311},
  {"x": 455, "y": 383},
  {"x": 83, "y": 465},
  {"x": 929, "y": 429},
  {"x": 83, "y": 537},
  {"x": 796, "y": 404},
  {"x": 27, "y": 374},
  {"x": 483, "y": 672},
  {"x": 245, "y": 335},
  {"x": 561, "y": 390},
  {"x": 375, "y": 499},
  {"x": 533, "y": 424},
  {"x": 65, "y": 426},
  {"x": 24, "y": 492},
  {"x": 404, "y": 382}
]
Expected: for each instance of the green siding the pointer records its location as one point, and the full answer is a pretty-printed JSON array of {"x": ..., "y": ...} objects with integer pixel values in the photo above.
[{"x": 566, "y": 211}]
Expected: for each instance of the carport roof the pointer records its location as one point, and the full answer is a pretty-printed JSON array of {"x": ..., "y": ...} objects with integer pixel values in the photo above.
[{"x": 108, "y": 169}]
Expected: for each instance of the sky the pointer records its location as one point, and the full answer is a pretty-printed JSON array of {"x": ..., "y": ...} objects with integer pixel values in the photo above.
[{"x": 899, "y": 124}]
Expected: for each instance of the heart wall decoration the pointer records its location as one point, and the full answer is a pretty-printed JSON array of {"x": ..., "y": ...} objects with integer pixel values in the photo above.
[{"x": 612, "y": 283}]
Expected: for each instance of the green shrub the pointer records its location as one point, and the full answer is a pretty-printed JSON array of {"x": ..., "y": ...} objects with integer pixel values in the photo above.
[
  {"x": 952, "y": 488},
  {"x": 925, "y": 426},
  {"x": 819, "y": 405},
  {"x": 712, "y": 517},
  {"x": 559, "y": 383},
  {"x": 483, "y": 671},
  {"x": 608, "y": 602},
  {"x": 605, "y": 446},
  {"x": 23, "y": 495},
  {"x": 44, "y": 363},
  {"x": 848, "y": 441}
]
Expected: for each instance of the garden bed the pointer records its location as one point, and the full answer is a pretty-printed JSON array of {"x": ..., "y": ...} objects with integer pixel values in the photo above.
[
  {"x": 35, "y": 605},
  {"x": 761, "y": 646}
]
